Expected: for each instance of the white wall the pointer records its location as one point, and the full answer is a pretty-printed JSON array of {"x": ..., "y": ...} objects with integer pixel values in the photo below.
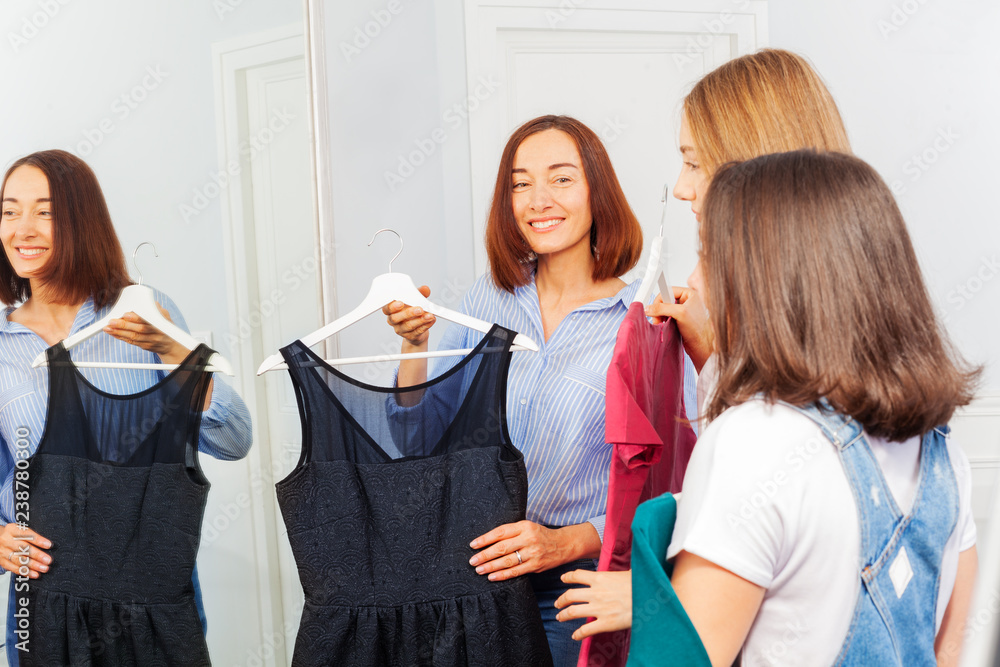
[{"x": 918, "y": 85}]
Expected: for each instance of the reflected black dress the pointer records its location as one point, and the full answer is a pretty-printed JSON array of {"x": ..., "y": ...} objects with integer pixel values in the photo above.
[
  {"x": 116, "y": 486},
  {"x": 380, "y": 514}
]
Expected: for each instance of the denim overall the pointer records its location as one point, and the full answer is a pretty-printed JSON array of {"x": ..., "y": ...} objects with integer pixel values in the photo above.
[{"x": 894, "y": 619}]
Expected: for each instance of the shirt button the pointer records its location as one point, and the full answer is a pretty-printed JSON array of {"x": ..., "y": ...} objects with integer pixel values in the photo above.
[{"x": 524, "y": 401}]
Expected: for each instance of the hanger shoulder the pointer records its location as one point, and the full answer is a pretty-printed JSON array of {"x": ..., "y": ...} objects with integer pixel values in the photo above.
[
  {"x": 390, "y": 287},
  {"x": 653, "y": 271},
  {"x": 140, "y": 300}
]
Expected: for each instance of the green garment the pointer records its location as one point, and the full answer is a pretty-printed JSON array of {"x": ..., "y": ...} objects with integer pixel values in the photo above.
[{"x": 662, "y": 634}]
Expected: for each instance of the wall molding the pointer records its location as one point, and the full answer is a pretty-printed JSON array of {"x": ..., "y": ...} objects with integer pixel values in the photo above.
[{"x": 984, "y": 405}]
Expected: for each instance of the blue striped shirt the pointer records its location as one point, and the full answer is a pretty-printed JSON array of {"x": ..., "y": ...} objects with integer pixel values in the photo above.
[
  {"x": 24, "y": 391},
  {"x": 555, "y": 397}
]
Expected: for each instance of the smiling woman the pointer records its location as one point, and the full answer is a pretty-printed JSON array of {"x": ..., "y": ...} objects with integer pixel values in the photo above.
[
  {"x": 62, "y": 267},
  {"x": 558, "y": 235},
  {"x": 51, "y": 257}
]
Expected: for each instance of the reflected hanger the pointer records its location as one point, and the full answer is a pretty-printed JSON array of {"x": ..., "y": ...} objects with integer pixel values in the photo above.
[
  {"x": 656, "y": 267},
  {"x": 386, "y": 288},
  {"x": 138, "y": 299}
]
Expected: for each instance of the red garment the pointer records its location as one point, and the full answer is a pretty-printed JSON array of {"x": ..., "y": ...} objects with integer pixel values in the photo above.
[{"x": 647, "y": 425}]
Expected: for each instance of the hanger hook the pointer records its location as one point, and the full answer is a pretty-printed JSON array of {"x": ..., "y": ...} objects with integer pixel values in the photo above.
[
  {"x": 386, "y": 229},
  {"x": 136, "y": 264}
]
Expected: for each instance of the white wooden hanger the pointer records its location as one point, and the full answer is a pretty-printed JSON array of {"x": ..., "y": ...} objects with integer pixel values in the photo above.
[
  {"x": 386, "y": 288},
  {"x": 656, "y": 271},
  {"x": 138, "y": 299}
]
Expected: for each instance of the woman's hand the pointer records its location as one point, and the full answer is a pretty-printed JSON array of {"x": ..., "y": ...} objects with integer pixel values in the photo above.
[
  {"x": 410, "y": 322},
  {"x": 413, "y": 325},
  {"x": 20, "y": 548},
  {"x": 132, "y": 329},
  {"x": 515, "y": 549},
  {"x": 692, "y": 321},
  {"x": 605, "y": 596}
]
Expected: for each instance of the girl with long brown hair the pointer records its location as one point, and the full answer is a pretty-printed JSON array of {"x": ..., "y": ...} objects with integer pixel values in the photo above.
[{"x": 825, "y": 496}]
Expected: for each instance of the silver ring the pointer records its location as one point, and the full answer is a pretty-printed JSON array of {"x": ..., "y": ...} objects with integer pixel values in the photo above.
[
  {"x": 10, "y": 556},
  {"x": 518, "y": 554}
]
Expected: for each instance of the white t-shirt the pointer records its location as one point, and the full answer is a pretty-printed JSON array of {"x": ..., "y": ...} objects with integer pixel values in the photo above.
[{"x": 765, "y": 497}]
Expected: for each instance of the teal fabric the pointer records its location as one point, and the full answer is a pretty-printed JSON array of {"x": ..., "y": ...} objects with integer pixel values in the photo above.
[{"x": 662, "y": 634}]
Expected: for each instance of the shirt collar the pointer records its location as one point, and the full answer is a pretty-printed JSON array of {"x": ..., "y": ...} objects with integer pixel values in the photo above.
[
  {"x": 84, "y": 318},
  {"x": 528, "y": 294}
]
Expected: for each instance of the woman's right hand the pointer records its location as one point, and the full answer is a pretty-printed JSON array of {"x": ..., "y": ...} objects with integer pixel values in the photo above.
[
  {"x": 22, "y": 547},
  {"x": 410, "y": 322},
  {"x": 692, "y": 320}
]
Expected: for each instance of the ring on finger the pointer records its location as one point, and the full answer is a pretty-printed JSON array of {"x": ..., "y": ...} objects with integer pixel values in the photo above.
[{"x": 518, "y": 554}]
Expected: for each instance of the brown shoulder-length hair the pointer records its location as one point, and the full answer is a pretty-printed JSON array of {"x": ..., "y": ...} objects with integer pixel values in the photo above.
[
  {"x": 615, "y": 235},
  {"x": 87, "y": 258},
  {"x": 814, "y": 291},
  {"x": 765, "y": 102}
]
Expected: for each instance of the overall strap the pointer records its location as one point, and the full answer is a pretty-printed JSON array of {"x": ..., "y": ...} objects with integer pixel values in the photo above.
[
  {"x": 878, "y": 514},
  {"x": 840, "y": 429}
]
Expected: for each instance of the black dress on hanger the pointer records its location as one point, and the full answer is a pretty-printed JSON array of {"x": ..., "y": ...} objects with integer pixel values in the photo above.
[
  {"x": 116, "y": 486},
  {"x": 380, "y": 523}
]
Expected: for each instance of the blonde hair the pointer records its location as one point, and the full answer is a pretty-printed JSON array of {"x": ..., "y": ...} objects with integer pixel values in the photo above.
[{"x": 766, "y": 102}]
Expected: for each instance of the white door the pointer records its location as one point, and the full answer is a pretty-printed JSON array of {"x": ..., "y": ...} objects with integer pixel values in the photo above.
[
  {"x": 620, "y": 67},
  {"x": 252, "y": 594}
]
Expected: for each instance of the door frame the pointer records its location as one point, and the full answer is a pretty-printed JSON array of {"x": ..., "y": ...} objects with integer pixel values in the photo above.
[{"x": 231, "y": 60}]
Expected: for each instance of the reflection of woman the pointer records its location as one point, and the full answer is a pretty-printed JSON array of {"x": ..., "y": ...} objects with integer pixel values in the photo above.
[
  {"x": 833, "y": 382},
  {"x": 64, "y": 265},
  {"x": 761, "y": 103},
  {"x": 559, "y": 234}
]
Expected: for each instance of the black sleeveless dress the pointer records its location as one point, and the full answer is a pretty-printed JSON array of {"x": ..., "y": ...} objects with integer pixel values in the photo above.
[
  {"x": 380, "y": 512},
  {"x": 116, "y": 486}
]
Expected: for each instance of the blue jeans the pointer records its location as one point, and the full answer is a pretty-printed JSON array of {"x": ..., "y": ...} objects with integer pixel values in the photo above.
[
  {"x": 11, "y": 638},
  {"x": 548, "y": 587}
]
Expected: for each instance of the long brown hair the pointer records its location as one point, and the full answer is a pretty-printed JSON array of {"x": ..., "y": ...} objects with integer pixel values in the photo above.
[
  {"x": 87, "y": 258},
  {"x": 814, "y": 290},
  {"x": 615, "y": 234},
  {"x": 765, "y": 102}
]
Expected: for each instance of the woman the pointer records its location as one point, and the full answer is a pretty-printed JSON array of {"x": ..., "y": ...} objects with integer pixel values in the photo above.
[
  {"x": 64, "y": 265},
  {"x": 756, "y": 104},
  {"x": 559, "y": 234},
  {"x": 834, "y": 381},
  {"x": 765, "y": 102}
]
